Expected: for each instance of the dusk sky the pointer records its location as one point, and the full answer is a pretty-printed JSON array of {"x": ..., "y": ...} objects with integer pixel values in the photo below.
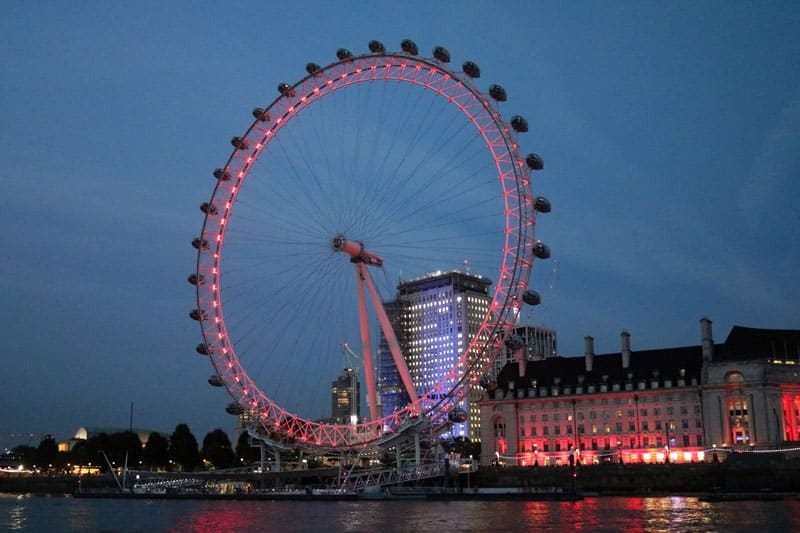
[{"x": 670, "y": 134}]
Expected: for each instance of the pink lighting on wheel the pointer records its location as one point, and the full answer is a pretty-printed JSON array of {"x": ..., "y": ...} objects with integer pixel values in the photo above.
[{"x": 515, "y": 264}]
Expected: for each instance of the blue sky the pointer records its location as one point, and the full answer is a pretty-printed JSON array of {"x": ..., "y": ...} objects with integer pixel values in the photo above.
[{"x": 670, "y": 133}]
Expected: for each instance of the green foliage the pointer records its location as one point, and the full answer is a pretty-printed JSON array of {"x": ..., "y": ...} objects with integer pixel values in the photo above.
[
  {"x": 89, "y": 451},
  {"x": 245, "y": 453},
  {"x": 462, "y": 445},
  {"x": 183, "y": 448},
  {"x": 124, "y": 443},
  {"x": 217, "y": 449},
  {"x": 27, "y": 454},
  {"x": 156, "y": 452},
  {"x": 47, "y": 453}
]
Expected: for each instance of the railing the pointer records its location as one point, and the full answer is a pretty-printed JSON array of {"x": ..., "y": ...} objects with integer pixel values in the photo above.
[{"x": 360, "y": 481}]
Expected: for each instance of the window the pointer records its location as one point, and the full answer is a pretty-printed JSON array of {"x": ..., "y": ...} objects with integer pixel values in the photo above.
[
  {"x": 686, "y": 440},
  {"x": 734, "y": 377},
  {"x": 685, "y": 424},
  {"x": 631, "y": 426},
  {"x": 670, "y": 410},
  {"x": 643, "y": 412},
  {"x": 645, "y": 426},
  {"x": 658, "y": 425},
  {"x": 684, "y": 410},
  {"x": 656, "y": 411}
]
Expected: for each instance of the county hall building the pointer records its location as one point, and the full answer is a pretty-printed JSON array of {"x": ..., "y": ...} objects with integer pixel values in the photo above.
[{"x": 674, "y": 404}]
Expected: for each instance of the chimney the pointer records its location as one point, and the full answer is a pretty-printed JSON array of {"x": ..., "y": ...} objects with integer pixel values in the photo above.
[
  {"x": 626, "y": 348},
  {"x": 522, "y": 361},
  {"x": 589, "y": 341},
  {"x": 707, "y": 340}
]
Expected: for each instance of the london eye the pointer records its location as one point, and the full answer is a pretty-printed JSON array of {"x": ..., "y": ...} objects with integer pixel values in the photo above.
[{"x": 376, "y": 168}]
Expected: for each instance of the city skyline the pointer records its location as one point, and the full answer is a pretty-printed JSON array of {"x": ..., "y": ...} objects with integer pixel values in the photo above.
[{"x": 670, "y": 137}]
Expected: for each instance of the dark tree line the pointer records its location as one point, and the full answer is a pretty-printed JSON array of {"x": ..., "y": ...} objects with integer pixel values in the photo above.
[{"x": 178, "y": 451}]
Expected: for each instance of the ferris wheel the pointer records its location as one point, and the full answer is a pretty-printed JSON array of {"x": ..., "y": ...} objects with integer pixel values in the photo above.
[{"x": 374, "y": 169}]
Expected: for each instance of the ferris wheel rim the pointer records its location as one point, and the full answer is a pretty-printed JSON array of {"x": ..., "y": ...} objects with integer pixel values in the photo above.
[{"x": 512, "y": 278}]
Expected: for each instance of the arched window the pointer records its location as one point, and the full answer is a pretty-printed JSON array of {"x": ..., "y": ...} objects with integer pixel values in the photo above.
[{"x": 734, "y": 377}]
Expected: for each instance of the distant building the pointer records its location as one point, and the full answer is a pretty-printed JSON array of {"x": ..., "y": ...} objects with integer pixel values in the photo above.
[
  {"x": 648, "y": 406},
  {"x": 346, "y": 398},
  {"x": 540, "y": 343},
  {"x": 437, "y": 316},
  {"x": 391, "y": 394},
  {"x": 86, "y": 433}
]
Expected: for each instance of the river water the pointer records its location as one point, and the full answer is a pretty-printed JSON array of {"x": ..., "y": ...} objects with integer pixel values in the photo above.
[{"x": 42, "y": 513}]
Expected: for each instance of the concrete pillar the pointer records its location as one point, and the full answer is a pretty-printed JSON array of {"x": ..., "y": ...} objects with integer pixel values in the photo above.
[
  {"x": 263, "y": 456},
  {"x": 626, "y": 348},
  {"x": 589, "y": 343}
]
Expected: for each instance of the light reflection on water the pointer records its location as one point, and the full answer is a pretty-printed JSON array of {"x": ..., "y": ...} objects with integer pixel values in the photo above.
[{"x": 30, "y": 513}]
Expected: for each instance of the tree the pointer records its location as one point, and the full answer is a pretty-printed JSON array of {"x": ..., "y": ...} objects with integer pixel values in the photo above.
[
  {"x": 79, "y": 454},
  {"x": 27, "y": 454},
  {"x": 88, "y": 452},
  {"x": 245, "y": 453},
  {"x": 461, "y": 445},
  {"x": 217, "y": 449},
  {"x": 47, "y": 453},
  {"x": 156, "y": 452},
  {"x": 125, "y": 442},
  {"x": 183, "y": 448}
]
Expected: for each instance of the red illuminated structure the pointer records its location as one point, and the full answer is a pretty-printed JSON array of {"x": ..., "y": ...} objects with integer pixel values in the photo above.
[
  {"x": 651, "y": 406},
  {"x": 330, "y": 204}
]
